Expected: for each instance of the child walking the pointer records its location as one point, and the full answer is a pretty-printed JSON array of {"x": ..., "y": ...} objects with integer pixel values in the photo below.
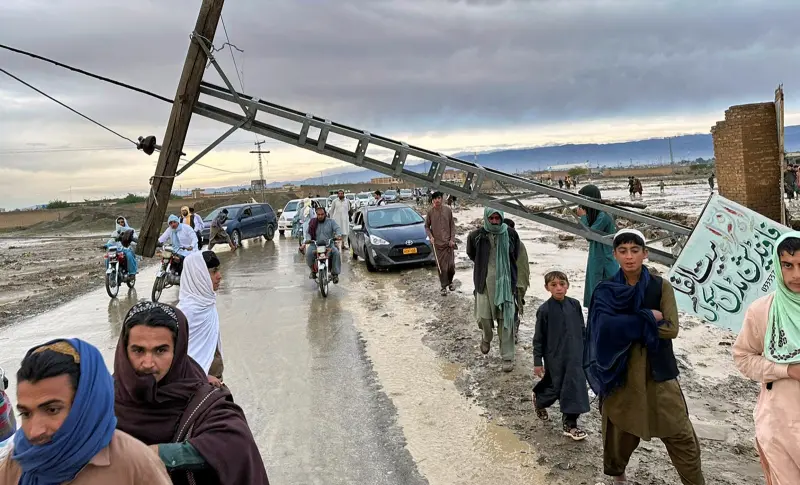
[{"x": 558, "y": 356}]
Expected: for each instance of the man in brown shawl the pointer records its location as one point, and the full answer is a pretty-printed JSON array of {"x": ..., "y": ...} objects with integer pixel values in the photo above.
[
  {"x": 441, "y": 228},
  {"x": 164, "y": 399}
]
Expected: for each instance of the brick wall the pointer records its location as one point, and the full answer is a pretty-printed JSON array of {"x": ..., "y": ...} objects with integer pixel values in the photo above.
[{"x": 748, "y": 167}]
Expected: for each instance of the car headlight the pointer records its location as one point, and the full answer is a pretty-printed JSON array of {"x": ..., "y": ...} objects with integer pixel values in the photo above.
[{"x": 378, "y": 241}]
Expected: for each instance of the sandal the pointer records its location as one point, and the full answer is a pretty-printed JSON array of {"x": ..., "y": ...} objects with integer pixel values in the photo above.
[
  {"x": 541, "y": 413},
  {"x": 575, "y": 433}
]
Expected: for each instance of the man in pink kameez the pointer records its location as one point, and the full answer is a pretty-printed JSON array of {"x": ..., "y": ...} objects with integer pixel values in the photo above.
[{"x": 768, "y": 351}]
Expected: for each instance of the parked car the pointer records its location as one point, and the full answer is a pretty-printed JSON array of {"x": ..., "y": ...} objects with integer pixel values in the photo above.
[
  {"x": 245, "y": 221},
  {"x": 363, "y": 198},
  {"x": 287, "y": 215},
  {"x": 389, "y": 236},
  {"x": 390, "y": 195},
  {"x": 406, "y": 194}
]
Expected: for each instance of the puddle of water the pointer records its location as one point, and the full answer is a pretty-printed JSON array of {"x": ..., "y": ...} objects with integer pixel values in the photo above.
[{"x": 440, "y": 426}]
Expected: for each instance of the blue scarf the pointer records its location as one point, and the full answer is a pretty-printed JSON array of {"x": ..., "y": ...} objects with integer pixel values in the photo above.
[
  {"x": 87, "y": 430},
  {"x": 616, "y": 321},
  {"x": 174, "y": 239}
]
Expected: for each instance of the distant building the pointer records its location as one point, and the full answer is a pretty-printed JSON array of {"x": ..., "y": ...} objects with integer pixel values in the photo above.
[
  {"x": 454, "y": 176},
  {"x": 258, "y": 184},
  {"x": 386, "y": 181}
]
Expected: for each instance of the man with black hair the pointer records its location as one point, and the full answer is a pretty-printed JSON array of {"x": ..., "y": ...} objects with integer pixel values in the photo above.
[
  {"x": 218, "y": 232},
  {"x": 441, "y": 228},
  {"x": 65, "y": 399},
  {"x": 378, "y": 199},
  {"x": 630, "y": 365},
  {"x": 323, "y": 229},
  {"x": 163, "y": 398},
  {"x": 767, "y": 351}
]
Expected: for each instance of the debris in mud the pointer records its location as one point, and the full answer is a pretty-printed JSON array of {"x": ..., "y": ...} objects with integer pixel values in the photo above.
[{"x": 566, "y": 237}]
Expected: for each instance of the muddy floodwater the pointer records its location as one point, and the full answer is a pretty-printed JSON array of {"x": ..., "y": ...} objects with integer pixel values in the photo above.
[{"x": 383, "y": 381}]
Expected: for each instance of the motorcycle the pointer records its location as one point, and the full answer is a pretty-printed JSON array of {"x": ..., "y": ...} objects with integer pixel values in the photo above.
[
  {"x": 117, "y": 270},
  {"x": 167, "y": 275},
  {"x": 322, "y": 267}
]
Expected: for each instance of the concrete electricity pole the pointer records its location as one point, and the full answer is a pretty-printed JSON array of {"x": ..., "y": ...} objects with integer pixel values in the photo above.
[
  {"x": 177, "y": 127},
  {"x": 261, "y": 167}
]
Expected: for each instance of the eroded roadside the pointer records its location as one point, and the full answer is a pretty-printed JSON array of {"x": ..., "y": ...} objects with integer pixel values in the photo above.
[{"x": 720, "y": 401}]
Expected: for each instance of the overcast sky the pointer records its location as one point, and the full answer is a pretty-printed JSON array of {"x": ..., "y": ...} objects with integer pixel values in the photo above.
[{"x": 446, "y": 75}]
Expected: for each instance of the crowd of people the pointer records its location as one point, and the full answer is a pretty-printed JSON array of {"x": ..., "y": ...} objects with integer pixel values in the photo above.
[
  {"x": 623, "y": 353},
  {"x": 167, "y": 416}
]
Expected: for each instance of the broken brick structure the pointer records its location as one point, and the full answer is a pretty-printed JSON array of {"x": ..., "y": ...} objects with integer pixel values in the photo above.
[{"x": 748, "y": 166}]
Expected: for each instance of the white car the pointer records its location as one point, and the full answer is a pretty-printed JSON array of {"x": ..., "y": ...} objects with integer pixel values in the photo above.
[
  {"x": 285, "y": 220},
  {"x": 362, "y": 199}
]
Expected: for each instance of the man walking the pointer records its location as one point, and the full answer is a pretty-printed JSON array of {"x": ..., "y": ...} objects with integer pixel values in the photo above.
[
  {"x": 218, "y": 232},
  {"x": 65, "y": 397},
  {"x": 441, "y": 229},
  {"x": 494, "y": 249},
  {"x": 631, "y": 367},
  {"x": 340, "y": 212}
]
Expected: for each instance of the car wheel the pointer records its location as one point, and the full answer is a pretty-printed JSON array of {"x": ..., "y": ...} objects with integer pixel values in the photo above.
[
  {"x": 237, "y": 238},
  {"x": 270, "y": 235},
  {"x": 370, "y": 267}
]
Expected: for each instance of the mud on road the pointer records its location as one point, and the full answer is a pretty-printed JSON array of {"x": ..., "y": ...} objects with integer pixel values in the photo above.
[
  {"x": 39, "y": 274},
  {"x": 720, "y": 401}
]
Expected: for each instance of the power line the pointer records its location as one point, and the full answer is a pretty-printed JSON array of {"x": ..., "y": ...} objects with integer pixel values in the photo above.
[
  {"x": 87, "y": 73},
  {"x": 230, "y": 48},
  {"x": 65, "y": 106},
  {"x": 21, "y": 151}
]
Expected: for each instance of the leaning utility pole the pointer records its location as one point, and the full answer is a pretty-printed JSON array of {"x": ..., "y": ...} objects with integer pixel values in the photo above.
[
  {"x": 178, "y": 125},
  {"x": 262, "y": 181}
]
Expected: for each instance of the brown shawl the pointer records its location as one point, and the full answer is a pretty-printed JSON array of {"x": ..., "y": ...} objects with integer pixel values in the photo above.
[{"x": 153, "y": 411}]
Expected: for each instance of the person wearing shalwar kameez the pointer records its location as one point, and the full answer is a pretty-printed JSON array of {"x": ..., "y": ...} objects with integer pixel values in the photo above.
[
  {"x": 601, "y": 264},
  {"x": 767, "y": 350},
  {"x": 494, "y": 249},
  {"x": 523, "y": 281},
  {"x": 441, "y": 228},
  {"x": 340, "y": 212},
  {"x": 558, "y": 356},
  {"x": 630, "y": 365}
]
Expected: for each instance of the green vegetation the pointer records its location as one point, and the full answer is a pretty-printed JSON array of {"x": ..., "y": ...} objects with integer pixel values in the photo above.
[
  {"x": 131, "y": 199},
  {"x": 58, "y": 204},
  {"x": 577, "y": 171}
]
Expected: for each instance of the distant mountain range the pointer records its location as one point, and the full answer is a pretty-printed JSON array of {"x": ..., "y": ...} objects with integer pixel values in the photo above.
[{"x": 640, "y": 152}]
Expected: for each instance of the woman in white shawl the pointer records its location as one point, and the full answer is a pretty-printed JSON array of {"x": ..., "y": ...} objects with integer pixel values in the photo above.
[{"x": 198, "y": 301}]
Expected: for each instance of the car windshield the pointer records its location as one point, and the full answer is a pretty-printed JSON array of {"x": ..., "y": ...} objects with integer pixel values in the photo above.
[
  {"x": 233, "y": 213},
  {"x": 291, "y": 206},
  {"x": 364, "y": 195},
  {"x": 405, "y": 192},
  {"x": 391, "y": 192},
  {"x": 393, "y": 217}
]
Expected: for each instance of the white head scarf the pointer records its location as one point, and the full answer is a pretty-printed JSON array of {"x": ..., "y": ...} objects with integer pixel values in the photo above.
[{"x": 199, "y": 303}]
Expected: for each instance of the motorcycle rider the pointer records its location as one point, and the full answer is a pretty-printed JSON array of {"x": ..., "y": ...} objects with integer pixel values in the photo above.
[
  {"x": 180, "y": 236},
  {"x": 126, "y": 235},
  {"x": 323, "y": 228}
]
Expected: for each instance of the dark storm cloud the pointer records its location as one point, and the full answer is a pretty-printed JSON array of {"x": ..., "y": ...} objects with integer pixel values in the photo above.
[{"x": 416, "y": 64}]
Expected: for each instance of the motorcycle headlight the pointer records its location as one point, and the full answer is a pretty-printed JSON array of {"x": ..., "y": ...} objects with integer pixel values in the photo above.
[{"x": 378, "y": 241}]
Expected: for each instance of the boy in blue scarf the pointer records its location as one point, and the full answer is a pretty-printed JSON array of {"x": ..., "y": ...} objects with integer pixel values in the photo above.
[
  {"x": 65, "y": 399},
  {"x": 630, "y": 365}
]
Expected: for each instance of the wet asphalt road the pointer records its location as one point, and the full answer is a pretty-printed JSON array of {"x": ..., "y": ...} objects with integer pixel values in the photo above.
[{"x": 293, "y": 360}]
